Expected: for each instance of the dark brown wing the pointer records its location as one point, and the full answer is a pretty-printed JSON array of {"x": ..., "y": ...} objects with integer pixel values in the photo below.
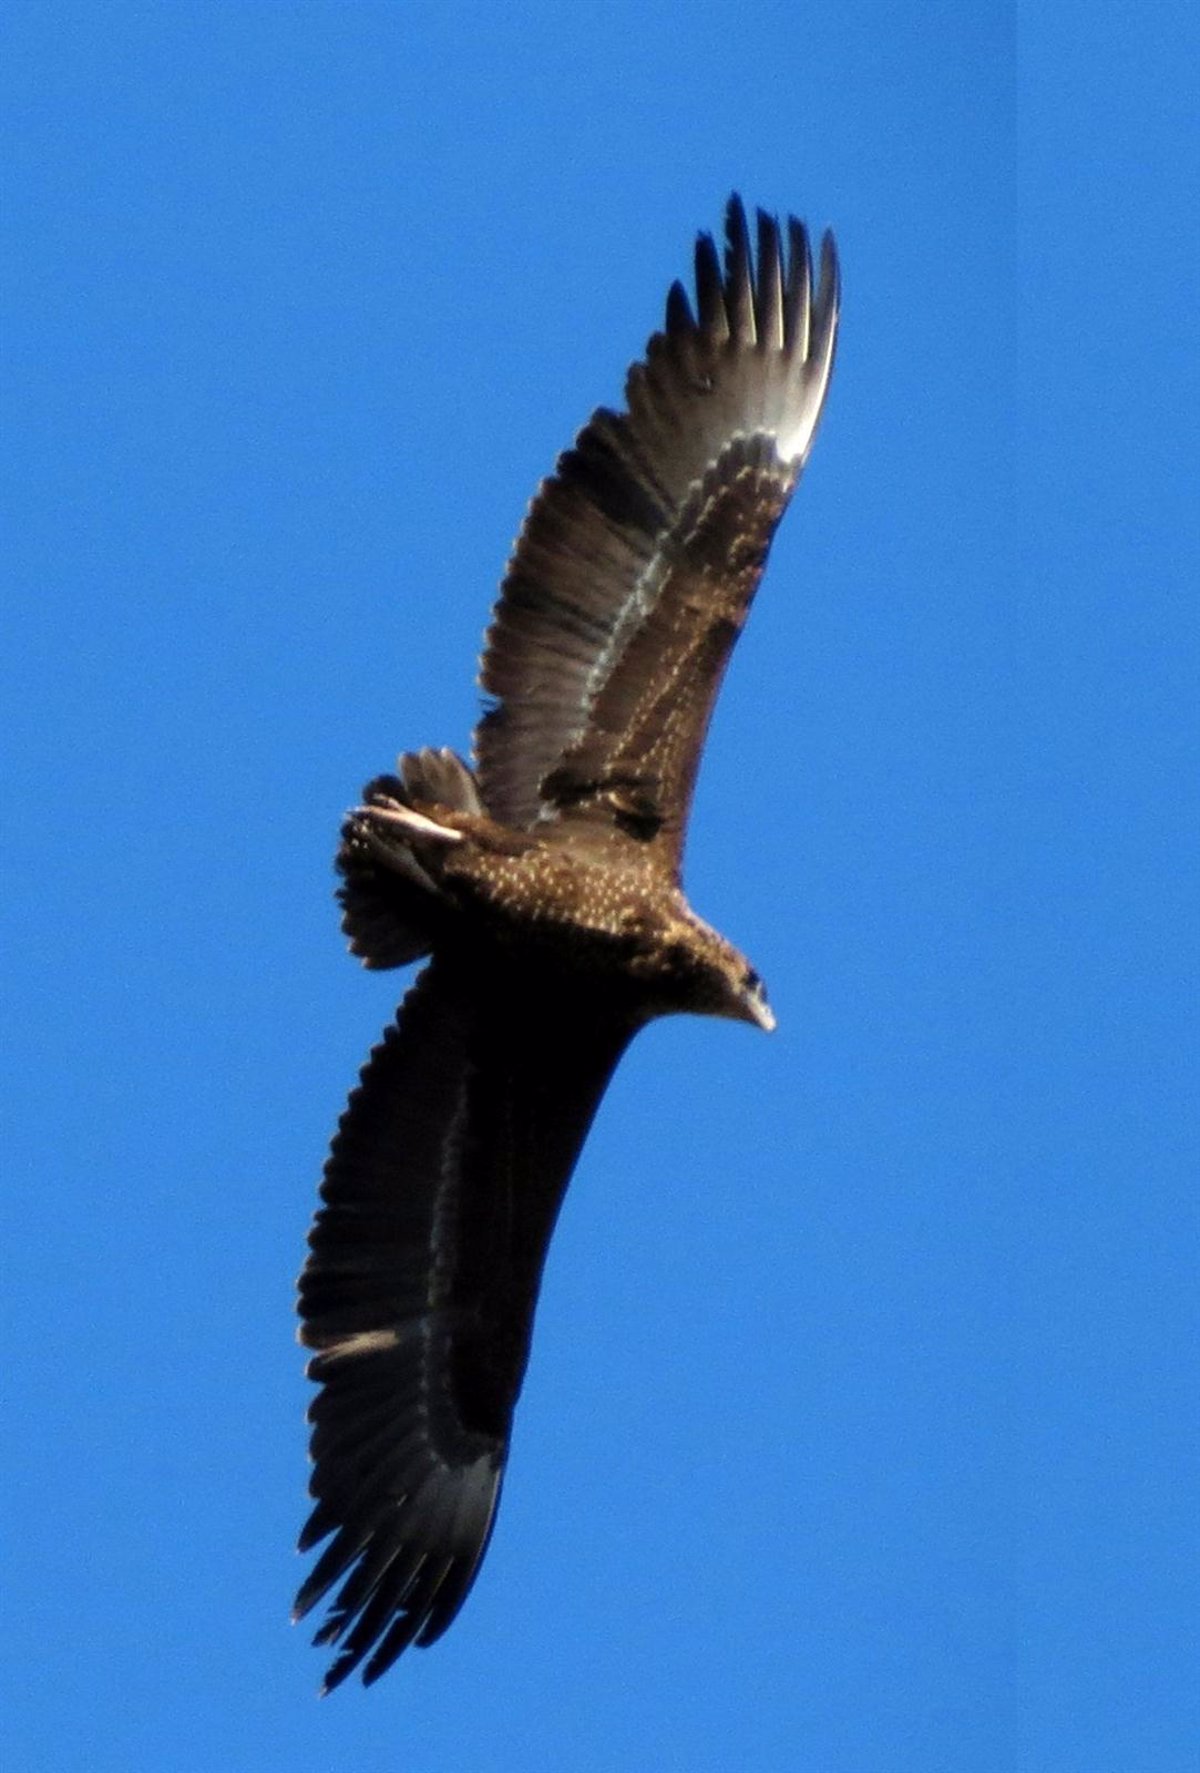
[
  {"x": 634, "y": 571},
  {"x": 440, "y": 1195}
]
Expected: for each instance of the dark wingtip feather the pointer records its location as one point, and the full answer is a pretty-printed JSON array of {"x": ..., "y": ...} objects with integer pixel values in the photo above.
[
  {"x": 797, "y": 300},
  {"x": 335, "y": 1674},
  {"x": 829, "y": 293},
  {"x": 769, "y": 309},
  {"x": 739, "y": 282},
  {"x": 332, "y": 1564},
  {"x": 710, "y": 292},
  {"x": 680, "y": 318},
  {"x": 319, "y": 1525}
]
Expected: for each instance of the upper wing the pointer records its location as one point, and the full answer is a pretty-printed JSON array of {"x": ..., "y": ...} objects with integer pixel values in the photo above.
[
  {"x": 635, "y": 568},
  {"x": 440, "y": 1194}
]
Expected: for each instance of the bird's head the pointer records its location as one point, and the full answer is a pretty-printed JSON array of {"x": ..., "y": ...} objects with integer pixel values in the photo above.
[
  {"x": 751, "y": 1000},
  {"x": 727, "y": 984}
]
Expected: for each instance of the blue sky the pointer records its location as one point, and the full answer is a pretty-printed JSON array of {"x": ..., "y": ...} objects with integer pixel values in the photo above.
[{"x": 860, "y": 1432}]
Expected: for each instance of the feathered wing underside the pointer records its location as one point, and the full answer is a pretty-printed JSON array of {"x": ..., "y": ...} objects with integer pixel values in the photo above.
[
  {"x": 439, "y": 1198},
  {"x": 637, "y": 562}
]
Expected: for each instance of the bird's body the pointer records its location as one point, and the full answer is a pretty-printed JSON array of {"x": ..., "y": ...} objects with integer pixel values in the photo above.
[
  {"x": 611, "y": 923},
  {"x": 545, "y": 885}
]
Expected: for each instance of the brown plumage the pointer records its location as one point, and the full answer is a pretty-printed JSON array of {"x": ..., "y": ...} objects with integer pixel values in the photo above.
[{"x": 546, "y": 887}]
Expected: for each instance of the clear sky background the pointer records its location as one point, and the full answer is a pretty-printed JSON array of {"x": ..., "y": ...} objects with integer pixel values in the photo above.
[{"x": 860, "y": 1431}]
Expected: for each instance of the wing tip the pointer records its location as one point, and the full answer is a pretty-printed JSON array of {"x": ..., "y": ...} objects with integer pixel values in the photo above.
[
  {"x": 402, "y": 1565},
  {"x": 761, "y": 294},
  {"x": 829, "y": 288}
]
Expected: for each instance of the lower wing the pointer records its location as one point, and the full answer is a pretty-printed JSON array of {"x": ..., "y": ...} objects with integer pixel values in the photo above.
[{"x": 439, "y": 1198}]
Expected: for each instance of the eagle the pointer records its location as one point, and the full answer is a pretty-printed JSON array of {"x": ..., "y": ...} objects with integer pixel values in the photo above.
[{"x": 543, "y": 887}]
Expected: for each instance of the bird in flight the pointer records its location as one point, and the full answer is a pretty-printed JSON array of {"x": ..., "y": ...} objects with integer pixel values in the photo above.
[{"x": 543, "y": 887}]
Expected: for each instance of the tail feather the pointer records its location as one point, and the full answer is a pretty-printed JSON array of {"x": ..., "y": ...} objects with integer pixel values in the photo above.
[
  {"x": 439, "y": 778},
  {"x": 391, "y": 906}
]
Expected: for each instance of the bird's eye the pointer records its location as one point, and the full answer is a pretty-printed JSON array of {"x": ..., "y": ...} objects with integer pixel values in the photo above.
[{"x": 752, "y": 982}]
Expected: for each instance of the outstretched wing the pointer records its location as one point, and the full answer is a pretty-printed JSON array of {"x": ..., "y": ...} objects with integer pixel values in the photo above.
[
  {"x": 637, "y": 562},
  {"x": 440, "y": 1195}
]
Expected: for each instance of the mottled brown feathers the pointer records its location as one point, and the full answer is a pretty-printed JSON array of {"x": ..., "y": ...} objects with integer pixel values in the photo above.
[
  {"x": 546, "y": 888},
  {"x": 604, "y": 548}
]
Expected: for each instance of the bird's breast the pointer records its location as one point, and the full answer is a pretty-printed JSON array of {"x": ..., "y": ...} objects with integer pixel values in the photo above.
[{"x": 590, "y": 914}]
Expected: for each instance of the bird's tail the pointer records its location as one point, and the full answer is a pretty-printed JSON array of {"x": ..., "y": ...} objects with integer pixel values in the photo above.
[{"x": 392, "y": 908}]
